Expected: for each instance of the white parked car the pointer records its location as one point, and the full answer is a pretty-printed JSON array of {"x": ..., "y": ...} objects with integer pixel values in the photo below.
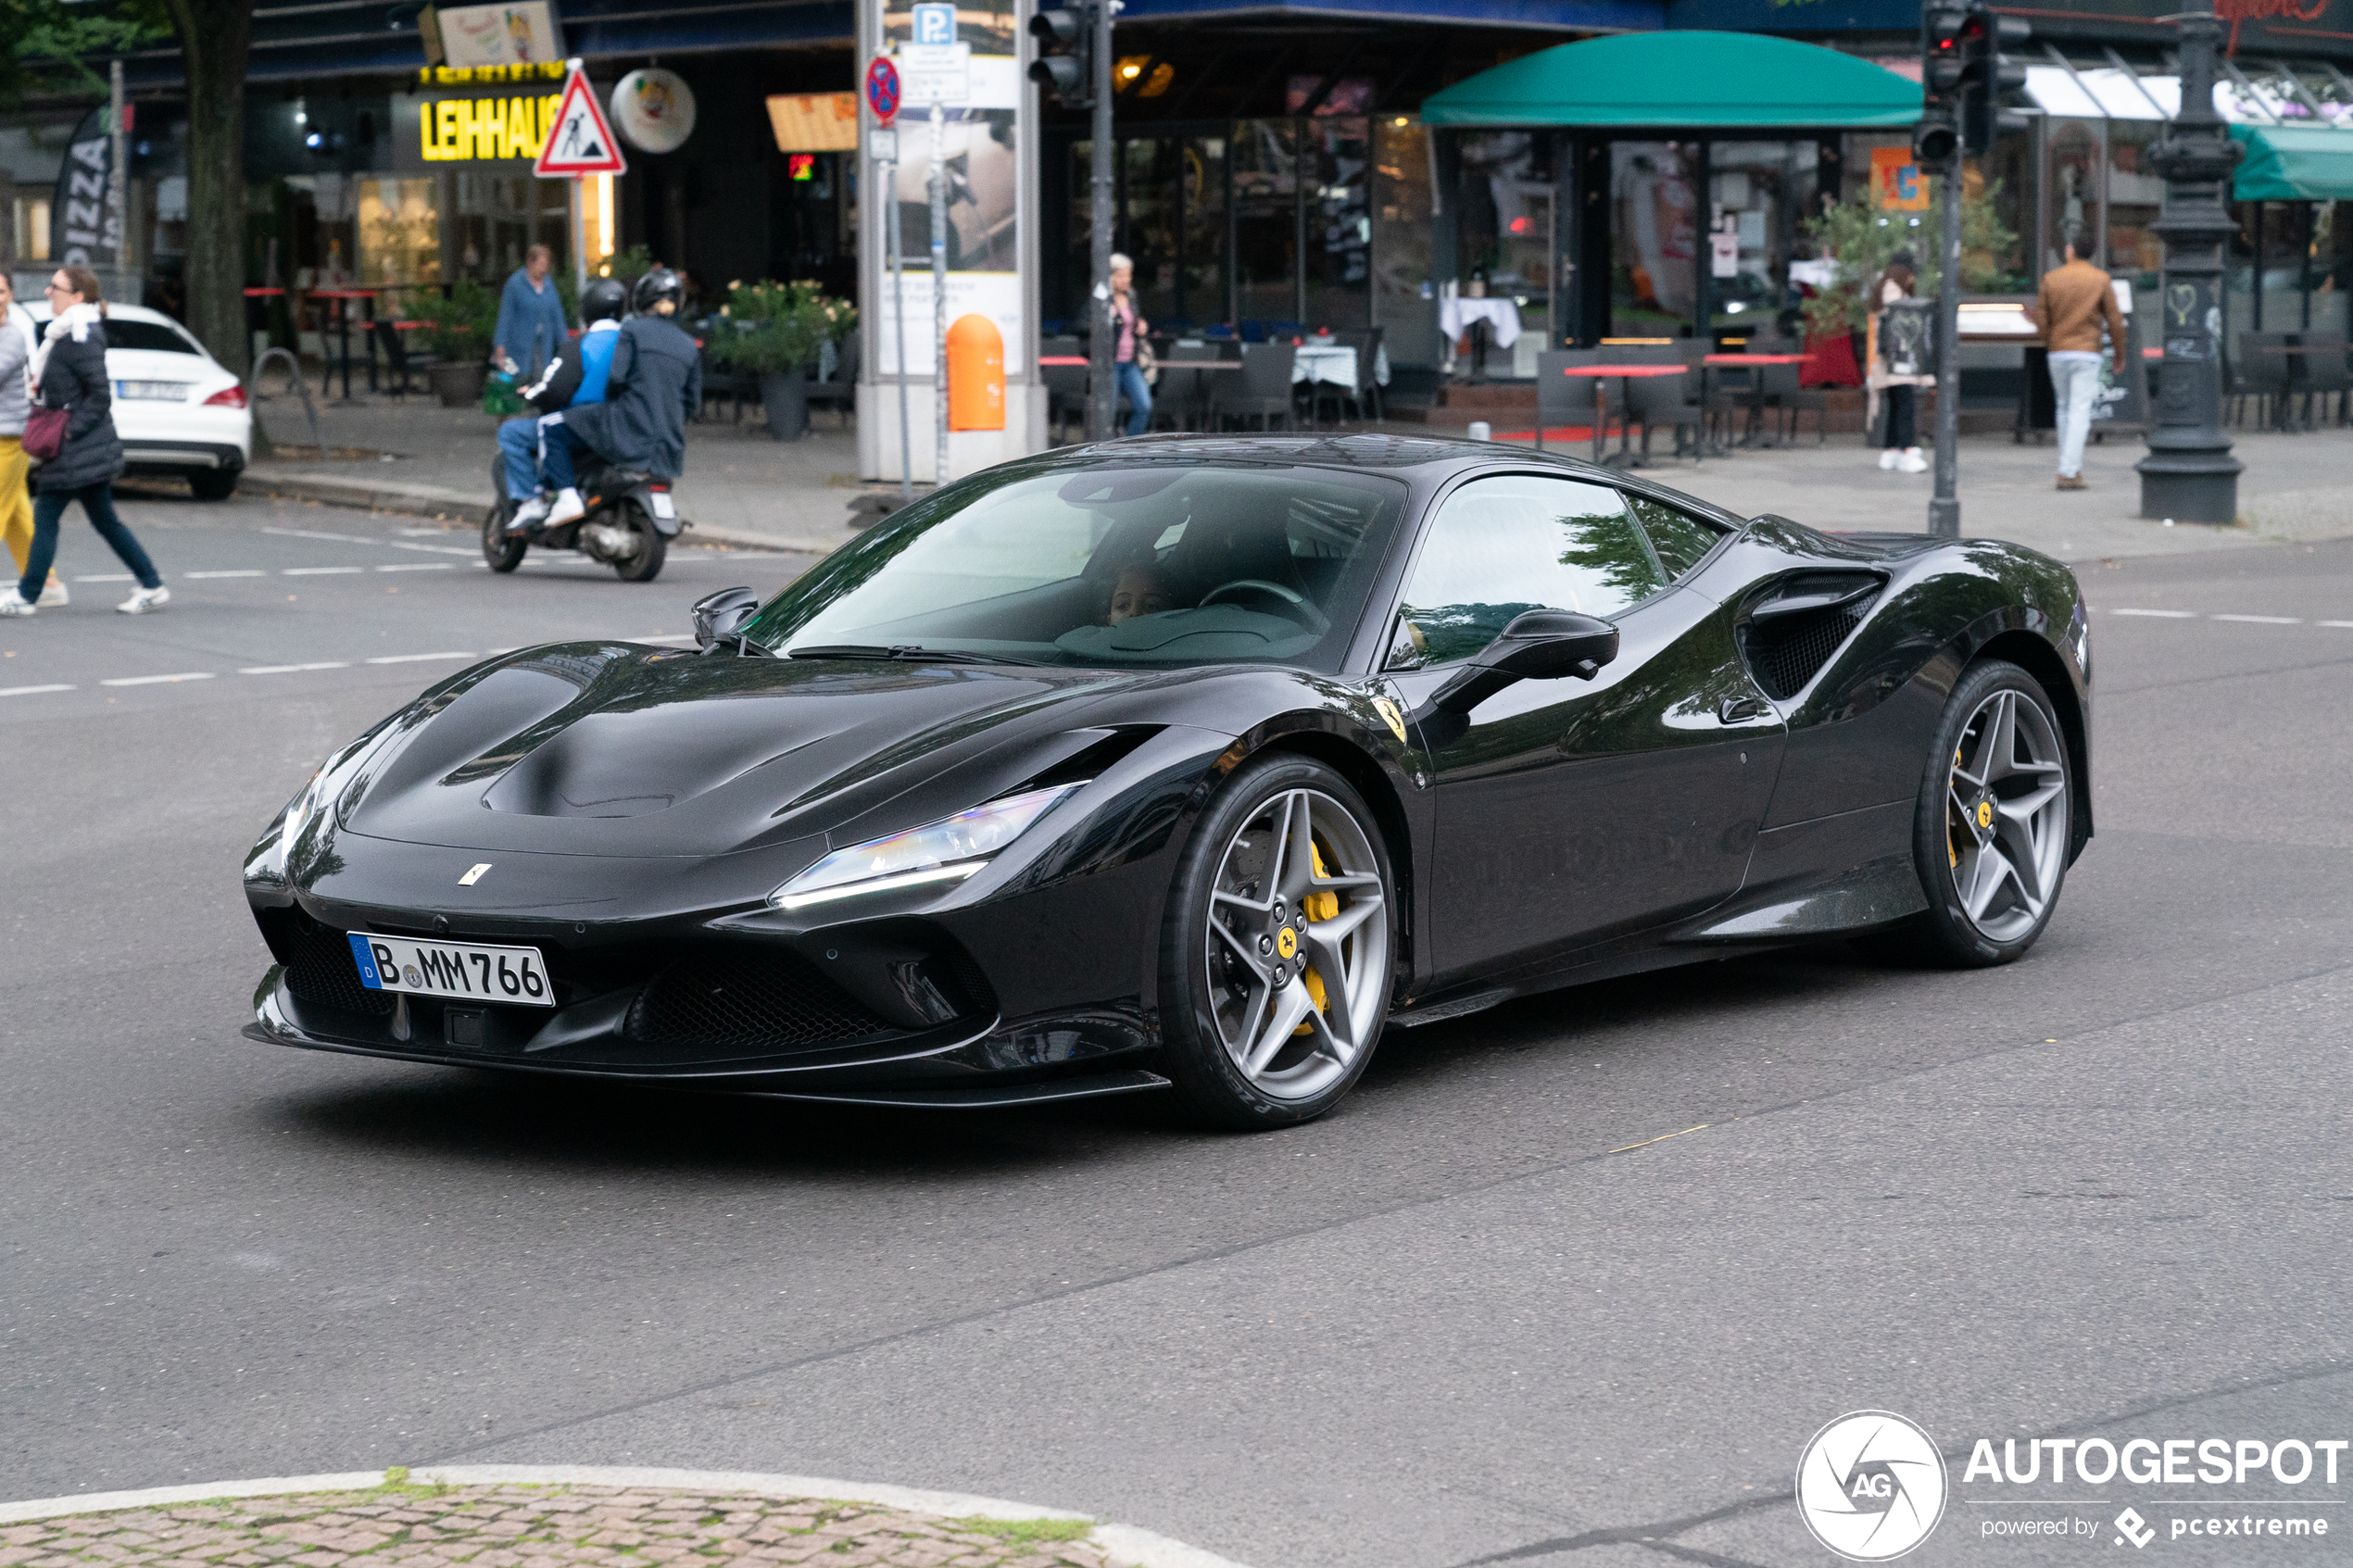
[{"x": 178, "y": 410}]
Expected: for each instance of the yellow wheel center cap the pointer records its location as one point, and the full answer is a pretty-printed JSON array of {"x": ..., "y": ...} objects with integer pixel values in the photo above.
[
  {"x": 1287, "y": 942},
  {"x": 1985, "y": 813}
]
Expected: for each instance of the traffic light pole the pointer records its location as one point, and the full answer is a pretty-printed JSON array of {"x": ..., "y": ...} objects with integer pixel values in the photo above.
[
  {"x": 1102, "y": 394},
  {"x": 1944, "y": 507}
]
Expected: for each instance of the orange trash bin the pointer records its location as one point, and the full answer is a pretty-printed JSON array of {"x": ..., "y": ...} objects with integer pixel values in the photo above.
[{"x": 976, "y": 374}]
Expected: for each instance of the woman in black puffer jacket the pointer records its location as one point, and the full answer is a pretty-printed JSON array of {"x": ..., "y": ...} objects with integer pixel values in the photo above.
[{"x": 68, "y": 372}]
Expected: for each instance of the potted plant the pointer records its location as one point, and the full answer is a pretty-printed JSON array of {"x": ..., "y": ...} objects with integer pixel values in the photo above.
[
  {"x": 457, "y": 327},
  {"x": 775, "y": 330}
]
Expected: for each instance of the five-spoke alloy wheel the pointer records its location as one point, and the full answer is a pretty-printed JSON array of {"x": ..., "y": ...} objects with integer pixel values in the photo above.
[
  {"x": 1994, "y": 828},
  {"x": 1277, "y": 970}
]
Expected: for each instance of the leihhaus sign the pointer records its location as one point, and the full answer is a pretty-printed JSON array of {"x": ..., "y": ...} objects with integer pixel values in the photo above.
[{"x": 469, "y": 130}]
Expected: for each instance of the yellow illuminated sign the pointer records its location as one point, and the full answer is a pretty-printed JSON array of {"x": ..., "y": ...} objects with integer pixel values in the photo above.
[{"x": 462, "y": 129}]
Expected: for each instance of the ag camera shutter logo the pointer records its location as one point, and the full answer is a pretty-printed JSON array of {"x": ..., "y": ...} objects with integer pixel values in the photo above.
[{"x": 1871, "y": 1486}]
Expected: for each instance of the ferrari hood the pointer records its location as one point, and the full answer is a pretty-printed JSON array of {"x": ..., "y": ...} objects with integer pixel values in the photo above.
[{"x": 610, "y": 748}]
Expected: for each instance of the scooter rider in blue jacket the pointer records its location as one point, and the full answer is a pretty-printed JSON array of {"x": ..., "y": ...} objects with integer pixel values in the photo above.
[{"x": 574, "y": 377}]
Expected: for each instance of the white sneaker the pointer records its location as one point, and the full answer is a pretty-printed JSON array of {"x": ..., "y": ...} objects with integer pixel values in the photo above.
[
  {"x": 569, "y": 507},
  {"x": 529, "y": 515},
  {"x": 14, "y": 603},
  {"x": 1913, "y": 462},
  {"x": 145, "y": 599},
  {"x": 1887, "y": 458},
  {"x": 53, "y": 596}
]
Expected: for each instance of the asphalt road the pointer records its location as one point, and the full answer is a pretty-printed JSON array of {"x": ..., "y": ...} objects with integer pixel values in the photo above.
[{"x": 2105, "y": 1192}]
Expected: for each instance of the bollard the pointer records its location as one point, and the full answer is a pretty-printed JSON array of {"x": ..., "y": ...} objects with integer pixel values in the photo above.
[
  {"x": 976, "y": 374},
  {"x": 1480, "y": 430}
]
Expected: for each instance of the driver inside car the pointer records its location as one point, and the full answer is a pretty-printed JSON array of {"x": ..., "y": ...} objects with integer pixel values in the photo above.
[{"x": 1140, "y": 591}]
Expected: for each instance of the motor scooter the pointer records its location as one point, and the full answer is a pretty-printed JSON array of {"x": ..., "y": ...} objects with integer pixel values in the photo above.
[{"x": 631, "y": 519}]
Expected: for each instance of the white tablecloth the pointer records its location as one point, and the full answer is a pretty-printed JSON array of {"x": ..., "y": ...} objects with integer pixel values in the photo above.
[
  {"x": 1455, "y": 314},
  {"x": 1336, "y": 363}
]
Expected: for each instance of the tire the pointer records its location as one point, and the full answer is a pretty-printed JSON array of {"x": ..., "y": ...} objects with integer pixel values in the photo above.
[
  {"x": 503, "y": 553},
  {"x": 652, "y": 549},
  {"x": 212, "y": 484},
  {"x": 1990, "y": 834},
  {"x": 1236, "y": 1061}
]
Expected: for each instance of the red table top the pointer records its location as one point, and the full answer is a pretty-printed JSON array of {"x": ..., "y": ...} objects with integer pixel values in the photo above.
[
  {"x": 1623, "y": 371},
  {"x": 1758, "y": 358},
  {"x": 260, "y": 294},
  {"x": 1061, "y": 359},
  {"x": 344, "y": 294}
]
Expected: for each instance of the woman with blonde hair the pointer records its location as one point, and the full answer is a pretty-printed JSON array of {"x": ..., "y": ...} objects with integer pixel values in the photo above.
[
  {"x": 19, "y": 334},
  {"x": 69, "y": 374},
  {"x": 1127, "y": 367}
]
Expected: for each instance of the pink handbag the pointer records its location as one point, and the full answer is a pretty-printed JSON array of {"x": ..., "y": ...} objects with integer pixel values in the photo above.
[{"x": 45, "y": 433}]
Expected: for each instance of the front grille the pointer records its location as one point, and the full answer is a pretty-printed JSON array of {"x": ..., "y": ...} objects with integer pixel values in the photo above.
[
  {"x": 320, "y": 969},
  {"x": 758, "y": 998},
  {"x": 967, "y": 990},
  {"x": 1788, "y": 657}
]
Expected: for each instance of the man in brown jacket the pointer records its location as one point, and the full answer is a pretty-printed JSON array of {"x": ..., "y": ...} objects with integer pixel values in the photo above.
[{"x": 2077, "y": 297}]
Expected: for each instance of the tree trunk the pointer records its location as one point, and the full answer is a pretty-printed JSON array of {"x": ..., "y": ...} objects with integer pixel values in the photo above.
[{"x": 214, "y": 39}]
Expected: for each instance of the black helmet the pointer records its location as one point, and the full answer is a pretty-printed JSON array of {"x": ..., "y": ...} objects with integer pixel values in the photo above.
[
  {"x": 660, "y": 283},
  {"x": 602, "y": 300}
]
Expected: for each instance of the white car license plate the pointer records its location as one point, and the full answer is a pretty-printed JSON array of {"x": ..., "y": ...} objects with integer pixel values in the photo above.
[
  {"x": 152, "y": 391},
  {"x": 663, "y": 508},
  {"x": 465, "y": 969}
]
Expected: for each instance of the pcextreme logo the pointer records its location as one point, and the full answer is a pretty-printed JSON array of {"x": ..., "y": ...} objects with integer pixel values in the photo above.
[{"x": 1871, "y": 1486}]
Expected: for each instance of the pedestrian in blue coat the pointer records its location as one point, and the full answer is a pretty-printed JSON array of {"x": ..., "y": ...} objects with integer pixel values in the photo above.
[{"x": 530, "y": 316}]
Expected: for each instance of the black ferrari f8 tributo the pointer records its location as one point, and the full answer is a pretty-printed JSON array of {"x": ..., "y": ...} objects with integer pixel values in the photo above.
[{"x": 1188, "y": 763}]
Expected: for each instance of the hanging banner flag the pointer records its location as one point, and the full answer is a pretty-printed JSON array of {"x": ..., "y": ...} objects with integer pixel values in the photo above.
[
  {"x": 580, "y": 141},
  {"x": 85, "y": 212}
]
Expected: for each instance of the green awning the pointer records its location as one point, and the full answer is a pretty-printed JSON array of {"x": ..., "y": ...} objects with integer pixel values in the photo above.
[
  {"x": 2294, "y": 163},
  {"x": 1675, "y": 81}
]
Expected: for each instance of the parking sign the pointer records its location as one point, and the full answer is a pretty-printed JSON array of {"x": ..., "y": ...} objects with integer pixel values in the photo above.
[{"x": 935, "y": 23}]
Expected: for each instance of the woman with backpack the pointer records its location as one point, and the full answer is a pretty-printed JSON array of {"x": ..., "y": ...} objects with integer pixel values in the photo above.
[
  {"x": 73, "y": 408},
  {"x": 1895, "y": 381}
]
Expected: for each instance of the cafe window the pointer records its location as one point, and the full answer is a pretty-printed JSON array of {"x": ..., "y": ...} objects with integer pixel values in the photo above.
[
  {"x": 399, "y": 232},
  {"x": 33, "y": 228}
]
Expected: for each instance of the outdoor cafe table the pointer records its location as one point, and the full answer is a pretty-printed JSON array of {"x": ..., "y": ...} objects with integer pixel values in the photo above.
[
  {"x": 1624, "y": 456},
  {"x": 1756, "y": 387},
  {"x": 343, "y": 298}
]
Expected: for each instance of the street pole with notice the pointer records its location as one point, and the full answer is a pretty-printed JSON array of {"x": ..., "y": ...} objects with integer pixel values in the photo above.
[
  {"x": 1102, "y": 393},
  {"x": 939, "y": 286}
]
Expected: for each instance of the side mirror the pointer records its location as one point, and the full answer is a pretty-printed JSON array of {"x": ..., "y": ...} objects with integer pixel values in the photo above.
[
  {"x": 721, "y": 617},
  {"x": 1538, "y": 644}
]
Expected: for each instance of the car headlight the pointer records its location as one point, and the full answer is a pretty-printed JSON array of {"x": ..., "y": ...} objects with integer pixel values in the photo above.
[
  {"x": 947, "y": 850},
  {"x": 333, "y": 775}
]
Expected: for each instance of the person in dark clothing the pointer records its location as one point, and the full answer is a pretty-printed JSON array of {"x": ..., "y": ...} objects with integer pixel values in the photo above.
[
  {"x": 654, "y": 386},
  {"x": 68, "y": 372}
]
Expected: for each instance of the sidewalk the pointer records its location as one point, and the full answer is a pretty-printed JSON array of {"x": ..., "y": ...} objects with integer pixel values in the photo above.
[
  {"x": 742, "y": 487},
  {"x": 540, "y": 1526}
]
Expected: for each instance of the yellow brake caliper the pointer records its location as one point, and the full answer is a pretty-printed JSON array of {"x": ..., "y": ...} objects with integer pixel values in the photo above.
[
  {"x": 1315, "y": 907},
  {"x": 1952, "y": 852}
]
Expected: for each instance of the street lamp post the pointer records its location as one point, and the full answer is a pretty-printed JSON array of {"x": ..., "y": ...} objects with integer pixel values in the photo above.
[{"x": 2189, "y": 473}]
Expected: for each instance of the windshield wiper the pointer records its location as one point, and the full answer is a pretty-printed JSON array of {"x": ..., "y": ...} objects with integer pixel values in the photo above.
[{"x": 907, "y": 652}]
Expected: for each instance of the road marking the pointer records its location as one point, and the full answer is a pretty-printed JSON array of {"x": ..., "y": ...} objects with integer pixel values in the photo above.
[
  {"x": 362, "y": 539},
  {"x": 2163, "y": 614},
  {"x": 2262, "y": 620},
  {"x": 290, "y": 668},
  {"x": 158, "y": 680},
  {"x": 421, "y": 566},
  {"x": 2333, "y": 623},
  {"x": 107, "y": 577},
  {"x": 415, "y": 657},
  {"x": 224, "y": 574},
  {"x": 322, "y": 570},
  {"x": 31, "y": 691}
]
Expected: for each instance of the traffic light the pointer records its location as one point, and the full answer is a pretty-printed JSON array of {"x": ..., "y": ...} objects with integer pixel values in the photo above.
[
  {"x": 1934, "y": 141},
  {"x": 1988, "y": 73},
  {"x": 1066, "y": 65},
  {"x": 1944, "y": 59}
]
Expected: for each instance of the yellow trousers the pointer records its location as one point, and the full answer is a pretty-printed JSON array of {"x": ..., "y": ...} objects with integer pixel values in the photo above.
[{"x": 16, "y": 501}]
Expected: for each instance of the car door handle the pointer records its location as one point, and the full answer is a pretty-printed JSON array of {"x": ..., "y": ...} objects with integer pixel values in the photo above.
[{"x": 1733, "y": 709}]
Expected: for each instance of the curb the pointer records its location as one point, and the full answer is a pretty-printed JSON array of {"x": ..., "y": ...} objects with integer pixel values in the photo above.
[
  {"x": 434, "y": 501},
  {"x": 1126, "y": 1545}
]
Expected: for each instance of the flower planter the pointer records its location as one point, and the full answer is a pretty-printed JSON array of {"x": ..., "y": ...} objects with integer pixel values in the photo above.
[
  {"x": 785, "y": 394},
  {"x": 458, "y": 386}
]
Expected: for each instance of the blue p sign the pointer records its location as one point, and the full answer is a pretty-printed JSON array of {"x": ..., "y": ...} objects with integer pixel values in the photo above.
[{"x": 935, "y": 23}]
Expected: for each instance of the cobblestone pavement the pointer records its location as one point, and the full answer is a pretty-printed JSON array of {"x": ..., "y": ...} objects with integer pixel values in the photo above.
[{"x": 515, "y": 1526}]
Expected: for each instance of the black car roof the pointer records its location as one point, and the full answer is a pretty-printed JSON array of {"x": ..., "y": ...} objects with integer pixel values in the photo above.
[{"x": 1334, "y": 451}]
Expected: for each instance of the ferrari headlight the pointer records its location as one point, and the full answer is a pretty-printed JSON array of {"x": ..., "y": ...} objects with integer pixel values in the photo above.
[
  {"x": 947, "y": 850},
  {"x": 335, "y": 771}
]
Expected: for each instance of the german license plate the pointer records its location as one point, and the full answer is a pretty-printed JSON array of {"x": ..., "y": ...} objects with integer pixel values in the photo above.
[
  {"x": 152, "y": 391},
  {"x": 466, "y": 969},
  {"x": 663, "y": 508}
]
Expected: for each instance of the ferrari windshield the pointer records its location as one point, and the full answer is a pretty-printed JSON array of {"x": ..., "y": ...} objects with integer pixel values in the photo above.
[{"x": 1162, "y": 563}]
